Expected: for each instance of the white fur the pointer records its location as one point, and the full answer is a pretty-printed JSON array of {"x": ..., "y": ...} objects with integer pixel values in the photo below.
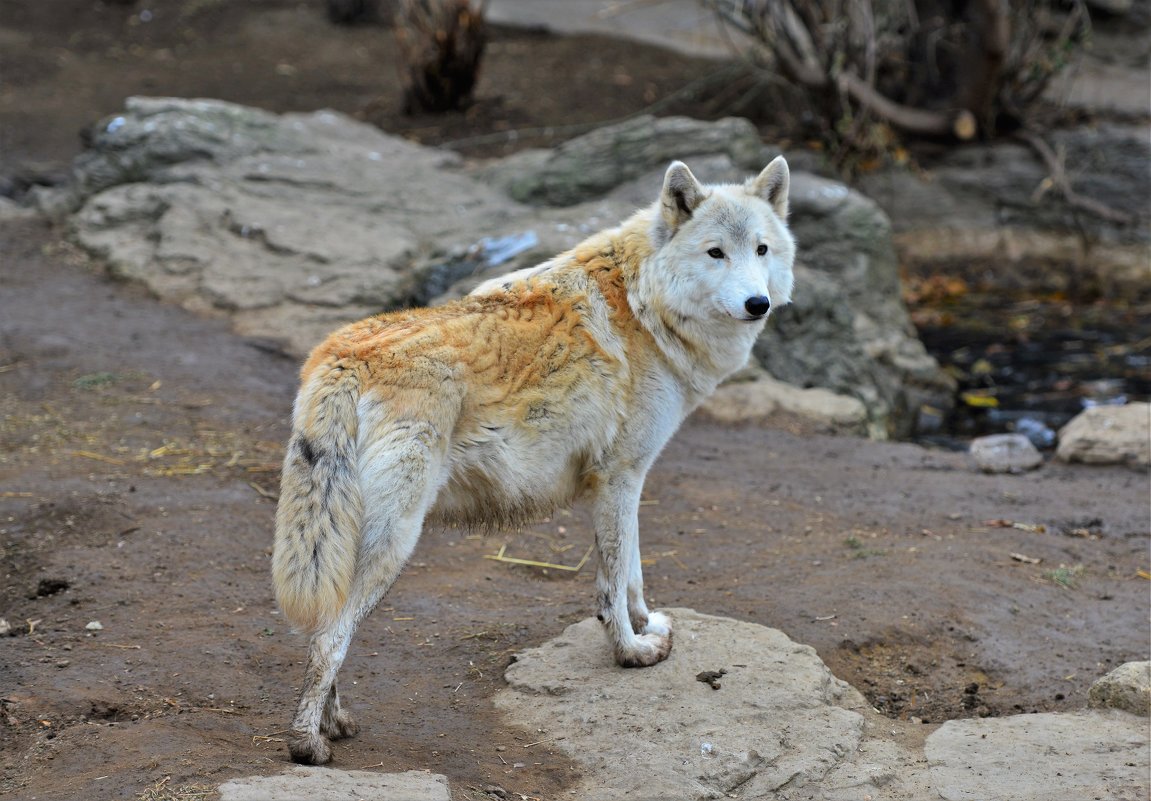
[{"x": 690, "y": 265}]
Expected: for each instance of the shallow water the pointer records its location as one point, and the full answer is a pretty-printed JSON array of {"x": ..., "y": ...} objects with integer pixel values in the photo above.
[{"x": 1032, "y": 364}]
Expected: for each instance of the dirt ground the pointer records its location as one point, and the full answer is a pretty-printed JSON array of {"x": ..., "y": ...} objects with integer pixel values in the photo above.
[
  {"x": 70, "y": 62},
  {"x": 139, "y": 453}
]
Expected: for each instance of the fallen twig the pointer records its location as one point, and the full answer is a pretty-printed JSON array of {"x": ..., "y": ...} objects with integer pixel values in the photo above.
[
  {"x": 500, "y": 557},
  {"x": 270, "y": 738},
  {"x": 263, "y": 493},
  {"x": 99, "y": 457},
  {"x": 1034, "y": 528}
]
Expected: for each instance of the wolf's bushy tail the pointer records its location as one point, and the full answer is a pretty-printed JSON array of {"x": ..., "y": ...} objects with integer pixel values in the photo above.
[{"x": 320, "y": 512}]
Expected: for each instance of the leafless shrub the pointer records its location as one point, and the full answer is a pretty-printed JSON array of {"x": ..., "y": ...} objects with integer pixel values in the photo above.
[
  {"x": 940, "y": 68},
  {"x": 441, "y": 43}
]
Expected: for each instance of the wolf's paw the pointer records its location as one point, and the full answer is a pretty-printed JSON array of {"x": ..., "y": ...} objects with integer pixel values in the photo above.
[
  {"x": 644, "y": 650},
  {"x": 309, "y": 749},
  {"x": 339, "y": 725}
]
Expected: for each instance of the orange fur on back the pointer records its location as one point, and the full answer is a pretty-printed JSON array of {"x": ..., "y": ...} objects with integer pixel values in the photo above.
[{"x": 479, "y": 364}]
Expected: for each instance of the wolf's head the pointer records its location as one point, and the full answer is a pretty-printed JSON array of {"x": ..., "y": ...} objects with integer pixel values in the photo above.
[{"x": 723, "y": 251}]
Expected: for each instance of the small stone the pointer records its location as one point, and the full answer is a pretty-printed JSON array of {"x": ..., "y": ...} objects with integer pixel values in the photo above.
[
  {"x": 1127, "y": 687},
  {"x": 1037, "y": 431},
  {"x": 63, "y": 663},
  {"x": 1108, "y": 435},
  {"x": 1005, "y": 453},
  {"x": 5, "y": 627},
  {"x": 95, "y": 625}
]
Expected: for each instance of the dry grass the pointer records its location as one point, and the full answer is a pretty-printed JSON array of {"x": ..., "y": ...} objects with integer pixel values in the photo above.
[{"x": 163, "y": 791}]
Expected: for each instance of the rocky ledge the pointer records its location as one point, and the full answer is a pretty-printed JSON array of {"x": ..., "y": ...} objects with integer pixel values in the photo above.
[{"x": 293, "y": 224}]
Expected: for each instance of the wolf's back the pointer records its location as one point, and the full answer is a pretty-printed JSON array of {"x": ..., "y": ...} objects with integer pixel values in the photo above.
[{"x": 320, "y": 512}]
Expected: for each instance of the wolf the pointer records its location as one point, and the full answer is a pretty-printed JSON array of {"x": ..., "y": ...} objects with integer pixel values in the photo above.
[{"x": 544, "y": 385}]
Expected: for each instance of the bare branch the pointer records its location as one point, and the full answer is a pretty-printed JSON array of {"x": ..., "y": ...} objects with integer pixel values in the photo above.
[
  {"x": 959, "y": 124},
  {"x": 1060, "y": 181}
]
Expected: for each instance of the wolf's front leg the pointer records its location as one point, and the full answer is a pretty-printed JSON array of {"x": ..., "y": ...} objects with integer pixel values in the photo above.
[{"x": 639, "y": 637}]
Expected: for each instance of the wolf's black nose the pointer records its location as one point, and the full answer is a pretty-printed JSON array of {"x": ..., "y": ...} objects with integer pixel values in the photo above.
[{"x": 757, "y": 306}]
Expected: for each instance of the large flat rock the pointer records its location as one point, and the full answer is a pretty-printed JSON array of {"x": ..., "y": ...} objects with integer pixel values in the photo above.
[
  {"x": 779, "y": 718},
  {"x": 1042, "y": 757},
  {"x": 331, "y": 784}
]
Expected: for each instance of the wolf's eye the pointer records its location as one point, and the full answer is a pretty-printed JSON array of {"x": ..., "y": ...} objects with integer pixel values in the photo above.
[
  {"x": 761, "y": 250},
  {"x": 715, "y": 253}
]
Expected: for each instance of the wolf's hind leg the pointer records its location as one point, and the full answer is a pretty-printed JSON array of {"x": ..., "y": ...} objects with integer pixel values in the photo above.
[
  {"x": 398, "y": 488},
  {"x": 336, "y": 723},
  {"x": 325, "y": 655},
  {"x": 639, "y": 637},
  {"x": 320, "y": 711}
]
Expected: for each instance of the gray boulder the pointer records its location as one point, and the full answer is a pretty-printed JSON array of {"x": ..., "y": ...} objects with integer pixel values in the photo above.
[
  {"x": 291, "y": 225},
  {"x": 155, "y": 133},
  {"x": 589, "y": 166},
  {"x": 847, "y": 329},
  {"x": 755, "y": 395}
]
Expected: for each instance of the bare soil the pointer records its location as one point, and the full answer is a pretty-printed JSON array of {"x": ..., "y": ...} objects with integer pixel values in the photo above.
[{"x": 140, "y": 445}]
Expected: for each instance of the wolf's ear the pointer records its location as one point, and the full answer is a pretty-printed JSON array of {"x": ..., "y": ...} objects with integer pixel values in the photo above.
[
  {"x": 772, "y": 185},
  {"x": 681, "y": 194}
]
